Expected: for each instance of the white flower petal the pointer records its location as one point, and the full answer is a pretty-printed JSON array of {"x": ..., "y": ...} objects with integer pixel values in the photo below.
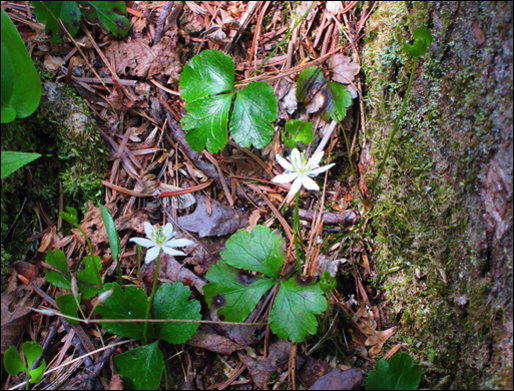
[
  {"x": 309, "y": 184},
  {"x": 152, "y": 254},
  {"x": 149, "y": 229},
  {"x": 295, "y": 187},
  {"x": 321, "y": 169},
  {"x": 315, "y": 160},
  {"x": 285, "y": 178},
  {"x": 143, "y": 242},
  {"x": 168, "y": 230},
  {"x": 284, "y": 163},
  {"x": 178, "y": 243},
  {"x": 172, "y": 252}
]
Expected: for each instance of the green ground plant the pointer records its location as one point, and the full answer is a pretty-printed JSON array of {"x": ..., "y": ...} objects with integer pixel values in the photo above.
[{"x": 62, "y": 16}]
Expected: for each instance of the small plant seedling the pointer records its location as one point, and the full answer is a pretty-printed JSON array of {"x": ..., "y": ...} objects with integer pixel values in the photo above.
[
  {"x": 207, "y": 87},
  {"x": 422, "y": 40},
  {"x": 60, "y": 15},
  {"x": 14, "y": 364},
  {"x": 234, "y": 290},
  {"x": 299, "y": 132},
  {"x": 399, "y": 373}
]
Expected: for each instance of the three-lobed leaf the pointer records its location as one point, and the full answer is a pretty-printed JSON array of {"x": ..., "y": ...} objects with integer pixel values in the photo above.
[
  {"x": 259, "y": 251},
  {"x": 207, "y": 120},
  {"x": 87, "y": 273},
  {"x": 299, "y": 131},
  {"x": 207, "y": 85},
  {"x": 399, "y": 373},
  {"x": 14, "y": 364},
  {"x": 212, "y": 72},
  {"x": 255, "y": 109},
  {"x": 124, "y": 304},
  {"x": 293, "y": 312},
  {"x": 68, "y": 306},
  {"x": 141, "y": 367},
  {"x": 422, "y": 40},
  {"x": 58, "y": 260},
  {"x": 53, "y": 13},
  {"x": 336, "y": 98},
  {"x": 232, "y": 292},
  {"x": 110, "y": 15},
  {"x": 171, "y": 301}
]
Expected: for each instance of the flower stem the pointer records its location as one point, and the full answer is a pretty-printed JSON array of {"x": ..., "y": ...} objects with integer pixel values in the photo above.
[
  {"x": 296, "y": 231},
  {"x": 375, "y": 181},
  {"x": 150, "y": 299}
]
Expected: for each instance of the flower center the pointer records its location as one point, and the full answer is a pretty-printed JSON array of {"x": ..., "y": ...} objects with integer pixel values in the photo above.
[{"x": 158, "y": 237}]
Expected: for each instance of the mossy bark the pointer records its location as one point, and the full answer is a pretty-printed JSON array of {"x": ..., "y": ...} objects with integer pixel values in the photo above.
[
  {"x": 73, "y": 154},
  {"x": 443, "y": 216}
]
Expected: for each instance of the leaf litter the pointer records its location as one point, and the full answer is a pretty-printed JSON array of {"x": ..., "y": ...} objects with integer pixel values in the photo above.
[{"x": 156, "y": 61}]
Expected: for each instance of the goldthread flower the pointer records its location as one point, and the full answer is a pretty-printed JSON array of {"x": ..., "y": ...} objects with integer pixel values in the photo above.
[
  {"x": 160, "y": 238},
  {"x": 299, "y": 170}
]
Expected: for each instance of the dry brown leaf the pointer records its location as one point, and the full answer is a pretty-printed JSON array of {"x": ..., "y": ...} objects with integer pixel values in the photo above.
[
  {"x": 339, "y": 380},
  {"x": 206, "y": 339},
  {"x": 222, "y": 221}
]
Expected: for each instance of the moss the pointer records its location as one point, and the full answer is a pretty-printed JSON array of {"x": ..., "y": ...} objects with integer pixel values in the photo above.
[
  {"x": 73, "y": 154},
  {"x": 426, "y": 212}
]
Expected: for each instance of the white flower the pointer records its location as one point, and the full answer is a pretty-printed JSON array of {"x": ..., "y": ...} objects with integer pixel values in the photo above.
[
  {"x": 160, "y": 238},
  {"x": 300, "y": 170}
]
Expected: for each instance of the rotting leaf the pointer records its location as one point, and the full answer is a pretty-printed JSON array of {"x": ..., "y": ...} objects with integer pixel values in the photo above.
[{"x": 50, "y": 12}]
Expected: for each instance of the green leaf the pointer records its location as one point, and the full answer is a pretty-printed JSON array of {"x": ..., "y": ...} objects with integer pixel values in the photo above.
[
  {"x": 141, "y": 367},
  {"x": 300, "y": 131},
  {"x": 13, "y": 362},
  {"x": 212, "y": 72},
  {"x": 171, "y": 301},
  {"x": 68, "y": 306},
  {"x": 110, "y": 15},
  {"x": 207, "y": 120},
  {"x": 32, "y": 350},
  {"x": 255, "y": 109},
  {"x": 22, "y": 84},
  {"x": 11, "y": 161},
  {"x": 340, "y": 100},
  {"x": 87, "y": 273},
  {"x": 234, "y": 293},
  {"x": 128, "y": 304},
  {"x": 297, "y": 301},
  {"x": 399, "y": 373},
  {"x": 327, "y": 283},
  {"x": 7, "y": 79},
  {"x": 422, "y": 40},
  {"x": 57, "y": 259},
  {"x": 70, "y": 216},
  {"x": 112, "y": 233},
  {"x": 50, "y": 12},
  {"x": 259, "y": 251}
]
